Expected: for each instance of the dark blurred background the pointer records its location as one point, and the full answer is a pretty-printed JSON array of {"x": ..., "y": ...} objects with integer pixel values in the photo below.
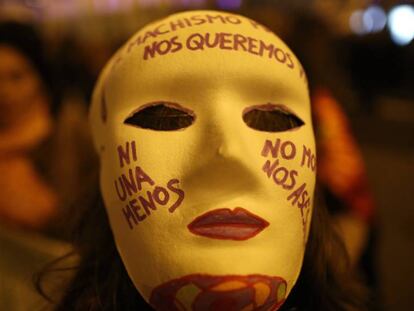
[{"x": 362, "y": 51}]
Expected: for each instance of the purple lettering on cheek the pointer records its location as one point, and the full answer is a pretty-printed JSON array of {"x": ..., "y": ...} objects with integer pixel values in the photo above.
[
  {"x": 140, "y": 208},
  {"x": 148, "y": 204},
  {"x": 280, "y": 175},
  {"x": 272, "y": 148},
  {"x": 286, "y": 178},
  {"x": 136, "y": 209},
  {"x": 172, "y": 187},
  {"x": 130, "y": 183},
  {"x": 129, "y": 216},
  {"x": 288, "y": 150},
  {"x": 308, "y": 158},
  {"x": 126, "y": 153},
  {"x": 295, "y": 195},
  {"x": 300, "y": 197},
  {"x": 122, "y": 196},
  {"x": 161, "y": 195},
  {"x": 293, "y": 174},
  {"x": 141, "y": 177},
  {"x": 269, "y": 168}
]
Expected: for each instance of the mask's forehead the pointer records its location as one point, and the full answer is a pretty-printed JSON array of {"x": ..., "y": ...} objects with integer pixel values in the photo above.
[{"x": 200, "y": 51}]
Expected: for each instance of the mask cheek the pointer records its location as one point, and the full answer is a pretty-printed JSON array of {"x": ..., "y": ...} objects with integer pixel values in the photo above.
[
  {"x": 289, "y": 168},
  {"x": 133, "y": 195}
]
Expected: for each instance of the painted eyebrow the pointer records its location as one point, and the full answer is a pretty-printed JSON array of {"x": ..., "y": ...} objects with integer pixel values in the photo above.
[
  {"x": 271, "y": 118},
  {"x": 161, "y": 116}
]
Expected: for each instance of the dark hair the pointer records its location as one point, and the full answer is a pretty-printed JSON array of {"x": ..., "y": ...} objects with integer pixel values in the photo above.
[
  {"x": 26, "y": 39},
  {"x": 102, "y": 283}
]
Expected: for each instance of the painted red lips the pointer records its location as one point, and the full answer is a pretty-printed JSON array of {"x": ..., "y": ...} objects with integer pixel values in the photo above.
[{"x": 226, "y": 224}]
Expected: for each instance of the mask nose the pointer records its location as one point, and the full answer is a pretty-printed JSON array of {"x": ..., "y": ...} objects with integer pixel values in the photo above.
[
  {"x": 228, "y": 140},
  {"x": 224, "y": 168},
  {"x": 220, "y": 178},
  {"x": 228, "y": 149}
]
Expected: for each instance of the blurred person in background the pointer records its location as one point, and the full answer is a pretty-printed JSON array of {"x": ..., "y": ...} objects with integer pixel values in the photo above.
[
  {"x": 45, "y": 145},
  {"x": 28, "y": 202},
  {"x": 25, "y": 123}
]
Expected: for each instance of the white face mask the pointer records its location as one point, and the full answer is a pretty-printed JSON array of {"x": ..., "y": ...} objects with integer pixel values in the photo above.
[{"x": 203, "y": 125}]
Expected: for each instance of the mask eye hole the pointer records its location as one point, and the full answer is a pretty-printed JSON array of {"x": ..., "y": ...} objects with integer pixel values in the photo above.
[
  {"x": 161, "y": 116},
  {"x": 271, "y": 118}
]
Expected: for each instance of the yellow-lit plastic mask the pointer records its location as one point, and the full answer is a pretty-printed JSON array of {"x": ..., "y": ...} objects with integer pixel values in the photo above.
[{"x": 203, "y": 125}]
